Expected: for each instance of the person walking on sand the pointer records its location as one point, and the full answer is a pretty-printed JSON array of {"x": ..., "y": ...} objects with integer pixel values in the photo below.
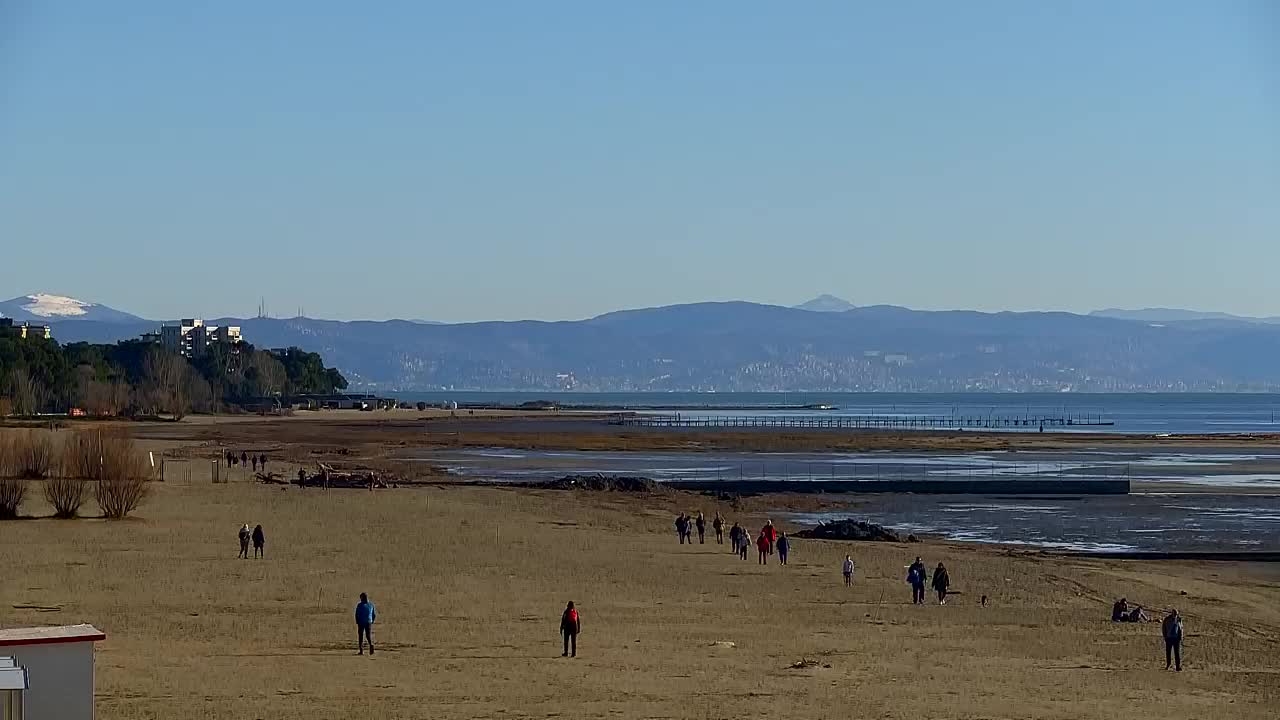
[
  {"x": 941, "y": 582},
  {"x": 244, "y": 458},
  {"x": 847, "y": 570},
  {"x": 784, "y": 547},
  {"x": 262, "y": 462},
  {"x": 762, "y": 544},
  {"x": 1171, "y": 629},
  {"x": 244, "y": 541},
  {"x": 570, "y": 626},
  {"x": 259, "y": 543},
  {"x": 916, "y": 576},
  {"x": 701, "y": 523},
  {"x": 770, "y": 534},
  {"x": 682, "y": 526},
  {"x": 744, "y": 543},
  {"x": 366, "y": 615},
  {"x": 254, "y": 460},
  {"x": 735, "y": 537},
  {"x": 718, "y": 526}
]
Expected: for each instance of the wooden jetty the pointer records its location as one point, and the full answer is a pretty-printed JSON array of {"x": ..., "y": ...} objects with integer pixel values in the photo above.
[{"x": 862, "y": 422}]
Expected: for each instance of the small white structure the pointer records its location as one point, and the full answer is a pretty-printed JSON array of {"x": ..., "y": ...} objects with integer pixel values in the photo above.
[
  {"x": 58, "y": 663},
  {"x": 13, "y": 683}
]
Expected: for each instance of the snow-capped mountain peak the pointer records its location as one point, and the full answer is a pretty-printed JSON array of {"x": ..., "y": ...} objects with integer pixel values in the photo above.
[
  {"x": 56, "y": 306},
  {"x": 45, "y": 308}
]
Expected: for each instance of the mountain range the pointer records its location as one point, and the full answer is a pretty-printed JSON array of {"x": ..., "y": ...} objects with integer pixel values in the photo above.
[{"x": 742, "y": 346}]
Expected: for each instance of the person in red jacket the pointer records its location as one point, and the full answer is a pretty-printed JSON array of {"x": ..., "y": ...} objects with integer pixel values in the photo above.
[
  {"x": 762, "y": 544},
  {"x": 570, "y": 626},
  {"x": 770, "y": 534}
]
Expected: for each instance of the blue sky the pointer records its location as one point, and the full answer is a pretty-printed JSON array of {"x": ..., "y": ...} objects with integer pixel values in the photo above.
[{"x": 467, "y": 161}]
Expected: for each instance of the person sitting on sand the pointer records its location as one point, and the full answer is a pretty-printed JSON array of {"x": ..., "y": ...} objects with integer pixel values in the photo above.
[
  {"x": 784, "y": 547},
  {"x": 762, "y": 544},
  {"x": 718, "y": 526},
  {"x": 1138, "y": 615},
  {"x": 259, "y": 542},
  {"x": 1120, "y": 611},
  {"x": 701, "y": 524},
  {"x": 244, "y": 541},
  {"x": 570, "y": 626},
  {"x": 941, "y": 583},
  {"x": 847, "y": 570}
]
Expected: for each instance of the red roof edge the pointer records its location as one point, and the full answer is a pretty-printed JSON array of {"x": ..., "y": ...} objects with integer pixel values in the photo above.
[{"x": 53, "y": 640}]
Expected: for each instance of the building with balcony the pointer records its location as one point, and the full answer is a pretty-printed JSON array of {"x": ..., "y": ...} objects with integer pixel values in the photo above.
[{"x": 192, "y": 337}]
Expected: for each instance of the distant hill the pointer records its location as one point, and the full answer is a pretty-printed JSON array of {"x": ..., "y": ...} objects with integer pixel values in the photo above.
[
  {"x": 826, "y": 303},
  {"x": 1165, "y": 315},
  {"x": 742, "y": 346},
  {"x": 44, "y": 308}
]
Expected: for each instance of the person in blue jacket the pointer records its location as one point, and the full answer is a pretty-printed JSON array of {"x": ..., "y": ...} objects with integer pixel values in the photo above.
[{"x": 365, "y": 617}]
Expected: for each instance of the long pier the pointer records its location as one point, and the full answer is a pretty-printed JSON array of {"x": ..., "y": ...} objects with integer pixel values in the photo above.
[{"x": 862, "y": 422}]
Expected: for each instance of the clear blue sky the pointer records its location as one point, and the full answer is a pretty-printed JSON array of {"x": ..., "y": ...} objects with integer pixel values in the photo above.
[{"x": 476, "y": 160}]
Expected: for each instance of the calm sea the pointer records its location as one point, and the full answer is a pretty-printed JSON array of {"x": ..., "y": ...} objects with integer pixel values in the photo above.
[{"x": 1176, "y": 413}]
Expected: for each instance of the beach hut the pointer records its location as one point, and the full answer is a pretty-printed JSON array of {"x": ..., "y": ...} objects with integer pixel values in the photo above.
[
  {"x": 57, "y": 671},
  {"x": 13, "y": 683}
]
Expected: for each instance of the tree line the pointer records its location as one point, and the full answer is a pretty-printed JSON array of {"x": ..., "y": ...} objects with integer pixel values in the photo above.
[{"x": 138, "y": 378}]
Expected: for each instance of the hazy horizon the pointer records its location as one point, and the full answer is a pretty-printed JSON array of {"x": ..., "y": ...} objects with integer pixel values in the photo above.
[
  {"x": 285, "y": 314},
  {"x": 460, "y": 163}
]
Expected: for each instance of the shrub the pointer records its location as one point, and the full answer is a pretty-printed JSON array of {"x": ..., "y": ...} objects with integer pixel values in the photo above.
[
  {"x": 12, "y": 487},
  {"x": 32, "y": 456},
  {"x": 67, "y": 490},
  {"x": 65, "y": 494},
  {"x": 115, "y": 463}
]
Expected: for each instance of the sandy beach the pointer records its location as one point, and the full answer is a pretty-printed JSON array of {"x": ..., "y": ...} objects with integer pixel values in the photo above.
[{"x": 469, "y": 583}]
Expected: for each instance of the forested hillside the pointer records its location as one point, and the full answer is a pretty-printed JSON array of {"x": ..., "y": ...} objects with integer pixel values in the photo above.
[{"x": 139, "y": 378}]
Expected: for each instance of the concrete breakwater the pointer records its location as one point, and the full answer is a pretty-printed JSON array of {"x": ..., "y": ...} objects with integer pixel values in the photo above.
[{"x": 956, "y": 486}]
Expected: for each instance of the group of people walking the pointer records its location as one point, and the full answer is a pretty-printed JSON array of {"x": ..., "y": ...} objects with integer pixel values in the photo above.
[
  {"x": 767, "y": 541},
  {"x": 245, "y": 459},
  {"x": 918, "y": 576},
  {"x": 259, "y": 539}
]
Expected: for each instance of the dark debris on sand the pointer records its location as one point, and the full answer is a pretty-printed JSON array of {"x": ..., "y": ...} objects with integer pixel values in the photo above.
[{"x": 850, "y": 529}]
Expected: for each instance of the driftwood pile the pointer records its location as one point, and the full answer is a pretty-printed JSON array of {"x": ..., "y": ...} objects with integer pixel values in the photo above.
[
  {"x": 603, "y": 483},
  {"x": 328, "y": 477},
  {"x": 850, "y": 529}
]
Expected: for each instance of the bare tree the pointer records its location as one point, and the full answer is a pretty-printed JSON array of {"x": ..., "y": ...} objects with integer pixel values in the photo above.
[
  {"x": 199, "y": 392},
  {"x": 28, "y": 394},
  {"x": 166, "y": 384}
]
